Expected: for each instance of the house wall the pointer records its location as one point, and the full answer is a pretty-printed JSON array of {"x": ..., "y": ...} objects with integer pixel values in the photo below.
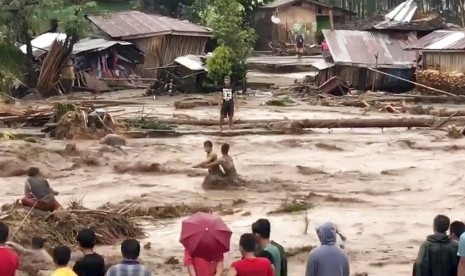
[
  {"x": 444, "y": 61},
  {"x": 163, "y": 50},
  {"x": 363, "y": 79}
]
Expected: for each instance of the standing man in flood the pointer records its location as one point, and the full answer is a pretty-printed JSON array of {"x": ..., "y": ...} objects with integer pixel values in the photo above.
[{"x": 227, "y": 103}]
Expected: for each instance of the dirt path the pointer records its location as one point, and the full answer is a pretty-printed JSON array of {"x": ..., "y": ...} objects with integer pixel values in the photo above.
[{"x": 382, "y": 188}]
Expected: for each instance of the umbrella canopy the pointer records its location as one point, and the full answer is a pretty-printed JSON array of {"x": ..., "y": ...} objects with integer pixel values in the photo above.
[{"x": 205, "y": 236}]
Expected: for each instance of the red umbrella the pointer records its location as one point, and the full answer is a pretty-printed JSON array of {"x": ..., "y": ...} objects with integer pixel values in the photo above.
[{"x": 205, "y": 236}]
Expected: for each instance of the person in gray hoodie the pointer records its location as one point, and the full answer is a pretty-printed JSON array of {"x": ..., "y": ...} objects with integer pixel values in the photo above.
[{"x": 328, "y": 259}]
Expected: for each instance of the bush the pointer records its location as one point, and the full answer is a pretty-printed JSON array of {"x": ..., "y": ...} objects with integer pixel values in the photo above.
[{"x": 220, "y": 64}]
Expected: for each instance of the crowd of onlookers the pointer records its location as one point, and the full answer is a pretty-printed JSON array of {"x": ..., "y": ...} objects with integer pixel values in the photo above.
[{"x": 441, "y": 254}]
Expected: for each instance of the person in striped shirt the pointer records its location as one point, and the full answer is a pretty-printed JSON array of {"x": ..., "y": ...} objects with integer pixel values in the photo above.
[{"x": 130, "y": 266}]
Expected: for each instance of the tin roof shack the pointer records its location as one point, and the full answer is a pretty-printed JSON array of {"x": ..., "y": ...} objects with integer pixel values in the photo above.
[
  {"x": 191, "y": 73},
  {"x": 114, "y": 61},
  {"x": 306, "y": 16},
  {"x": 354, "y": 52},
  {"x": 442, "y": 60},
  {"x": 162, "y": 39},
  {"x": 407, "y": 17}
]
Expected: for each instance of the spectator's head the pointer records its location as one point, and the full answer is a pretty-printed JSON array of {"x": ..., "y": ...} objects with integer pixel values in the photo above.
[
  {"x": 37, "y": 242},
  {"x": 208, "y": 146},
  {"x": 441, "y": 224},
  {"x": 261, "y": 229},
  {"x": 4, "y": 232},
  {"x": 227, "y": 80},
  {"x": 457, "y": 228},
  {"x": 225, "y": 149},
  {"x": 86, "y": 239},
  {"x": 130, "y": 249},
  {"x": 327, "y": 233},
  {"x": 33, "y": 172},
  {"x": 61, "y": 255},
  {"x": 247, "y": 243}
]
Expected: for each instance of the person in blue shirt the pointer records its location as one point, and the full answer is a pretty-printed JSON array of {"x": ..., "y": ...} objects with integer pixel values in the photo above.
[{"x": 461, "y": 254}]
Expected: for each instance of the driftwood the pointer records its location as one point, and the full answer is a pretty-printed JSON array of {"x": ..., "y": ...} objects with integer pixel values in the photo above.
[{"x": 370, "y": 122}]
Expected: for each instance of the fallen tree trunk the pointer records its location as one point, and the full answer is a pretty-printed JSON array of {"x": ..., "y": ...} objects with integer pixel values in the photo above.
[
  {"x": 371, "y": 122},
  {"x": 359, "y": 102}
]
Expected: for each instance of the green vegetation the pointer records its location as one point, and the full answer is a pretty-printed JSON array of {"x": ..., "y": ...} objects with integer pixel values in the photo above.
[{"x": 291, "y": 206}]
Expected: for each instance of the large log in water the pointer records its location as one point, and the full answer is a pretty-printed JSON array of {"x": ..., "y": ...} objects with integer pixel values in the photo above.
[
  {"x": 324, "y": 123},
  {"x": 370, "y": 122}
]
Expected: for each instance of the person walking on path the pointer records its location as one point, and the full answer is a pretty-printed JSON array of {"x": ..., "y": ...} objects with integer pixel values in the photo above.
[
  {"x": 9, "y": 262},
  {"x": 250, "y": 265},
  {"x": 327, "y": 259},
  {"x": 130, "y": 250},
  {"x": 438, "y": 254},
  {"x": 61, "y": 255}
]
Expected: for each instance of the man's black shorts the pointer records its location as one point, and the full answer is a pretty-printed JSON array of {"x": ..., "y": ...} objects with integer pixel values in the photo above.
[{"x": 227, "y": 109}]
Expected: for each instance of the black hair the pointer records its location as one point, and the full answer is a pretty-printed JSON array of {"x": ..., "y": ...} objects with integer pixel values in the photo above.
[
  {"x": 37, "y": 242},
  {"x": 4, "y": 232},
  {"x": 208, "y": 143},
  {"x": 262, "y": 228},
  {"x": 33, "y": 172},
  {"x": 86, "y": 238},
  {"x": 225, "y": 148},
  {"x": 247, "y": 242},
  {"x": 441, "y": 223},
  {"x": 61, "y": 255},
  {"x": 457, "y": 228},
  {"x": 130, "y": 249}
]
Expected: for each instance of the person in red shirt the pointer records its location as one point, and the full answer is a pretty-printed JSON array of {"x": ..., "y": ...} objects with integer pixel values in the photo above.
[
  {"x": 201, "y": 267},
  {"x": 9, "y": 262},
  {"x": 250, "y": 265}
]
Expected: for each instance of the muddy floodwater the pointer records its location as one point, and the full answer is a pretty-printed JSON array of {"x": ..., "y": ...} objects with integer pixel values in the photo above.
[{"x": 381, "y": 187}]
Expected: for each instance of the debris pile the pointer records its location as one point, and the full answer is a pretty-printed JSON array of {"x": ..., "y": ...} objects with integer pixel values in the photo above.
[
  {"x": 453, "y": 82},
  {"x": 61, "y": 228},
  {"x": 76, "y": 122}
]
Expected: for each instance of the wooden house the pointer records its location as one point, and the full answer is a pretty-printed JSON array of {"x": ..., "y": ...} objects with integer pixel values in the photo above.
[
  {"x": 282, "y": 19},
  {"x": 161, "y": 38}
]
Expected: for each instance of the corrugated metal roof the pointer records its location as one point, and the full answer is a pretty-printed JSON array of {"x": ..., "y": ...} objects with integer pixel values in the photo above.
[
  {"x": 404, "y": 12},
  {"x": 359, "y": 48},
  {"x": 280, "y": 3},
  {"x": 96, "y": 45},
  {"x": 322, "y": 64},
  {"x": 43, "y": 42},
  {"x": 440, "y": 41},
  {"x": 191, "y": 62},
  {"x": 135, "y": 24}
]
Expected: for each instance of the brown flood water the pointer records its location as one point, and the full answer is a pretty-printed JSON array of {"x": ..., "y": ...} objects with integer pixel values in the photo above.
[{"x": 382, "y": 188}]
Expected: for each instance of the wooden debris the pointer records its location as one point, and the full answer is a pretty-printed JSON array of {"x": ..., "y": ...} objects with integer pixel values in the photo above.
[
  {"x": 49, "y": 77},
  {"x": 454, "y": 81},
  {"x": 61, "y": 228}
]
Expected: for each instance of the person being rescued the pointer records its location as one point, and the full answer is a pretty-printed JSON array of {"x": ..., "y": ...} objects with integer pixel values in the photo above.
[
  {"x": 38, "y": 194},
  {"x": 211, "y": 157},
  {"x": 228, "y": 177}
]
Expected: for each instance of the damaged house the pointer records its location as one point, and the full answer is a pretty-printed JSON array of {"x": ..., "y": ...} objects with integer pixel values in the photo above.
[
  {"x": 94, "y": 58},
  {"x": 161, "y": 38},
  {"x": 407, "y": 17},
  {"x": 353, "y": 53}
]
